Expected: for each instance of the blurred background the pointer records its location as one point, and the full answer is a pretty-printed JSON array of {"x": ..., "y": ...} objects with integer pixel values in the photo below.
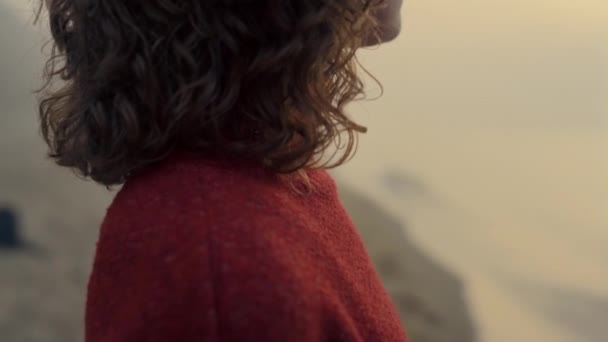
[{"x": 481, "y": 188}]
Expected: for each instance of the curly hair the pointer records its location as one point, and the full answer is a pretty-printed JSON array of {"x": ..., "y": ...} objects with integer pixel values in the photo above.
[{"x": 266, "y": 79}]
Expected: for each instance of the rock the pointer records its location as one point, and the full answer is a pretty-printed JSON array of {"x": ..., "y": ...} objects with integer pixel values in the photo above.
[{"x": 9, "y": 234}]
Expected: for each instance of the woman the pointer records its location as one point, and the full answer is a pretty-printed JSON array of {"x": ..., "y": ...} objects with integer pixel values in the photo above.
[{"x": 214, "y": 115}]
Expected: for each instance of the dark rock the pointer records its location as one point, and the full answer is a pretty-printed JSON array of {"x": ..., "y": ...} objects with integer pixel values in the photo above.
[{"x": 9, "y": 230}]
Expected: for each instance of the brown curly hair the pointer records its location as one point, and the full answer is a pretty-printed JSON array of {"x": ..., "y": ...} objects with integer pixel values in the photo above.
[{"x": 266, "y": 79}]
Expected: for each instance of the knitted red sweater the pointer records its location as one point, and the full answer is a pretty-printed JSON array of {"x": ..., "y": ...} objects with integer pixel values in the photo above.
[{"x": 205, "y": 249}]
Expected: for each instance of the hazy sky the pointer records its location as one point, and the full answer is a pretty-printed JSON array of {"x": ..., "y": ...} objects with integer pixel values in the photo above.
[{"x": 503, "y": 62}]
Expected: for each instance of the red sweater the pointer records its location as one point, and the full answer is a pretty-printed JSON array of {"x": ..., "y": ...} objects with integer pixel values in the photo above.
[{"x": 205, "y": 249}]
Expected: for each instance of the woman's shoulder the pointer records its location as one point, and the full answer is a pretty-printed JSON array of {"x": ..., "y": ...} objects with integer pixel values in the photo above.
[
  {"x": 191, "y": 197},
  {"x": 198, "y": 181},
  {"x": 188, "y": 179},
  {"x": 192, "y": 210}
]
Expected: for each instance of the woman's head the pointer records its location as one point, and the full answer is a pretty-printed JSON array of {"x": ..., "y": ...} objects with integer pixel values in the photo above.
[{"x": 265, "y": 79}]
